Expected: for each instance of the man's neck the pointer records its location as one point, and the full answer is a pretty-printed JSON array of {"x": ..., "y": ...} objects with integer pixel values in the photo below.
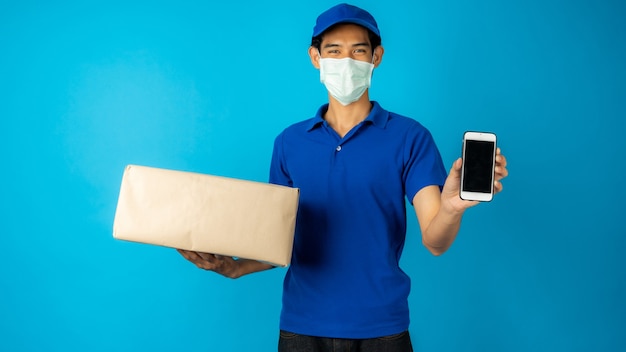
[{"x": 343, "y": 118}]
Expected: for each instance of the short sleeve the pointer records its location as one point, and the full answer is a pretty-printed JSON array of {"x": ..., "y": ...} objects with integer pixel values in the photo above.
[
  {"x": 423, "y": 165},
  {"x": 278, "y": 171}
]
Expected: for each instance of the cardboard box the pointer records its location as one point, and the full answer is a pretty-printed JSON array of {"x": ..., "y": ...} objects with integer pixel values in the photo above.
[{"x": 205, "y": 213}]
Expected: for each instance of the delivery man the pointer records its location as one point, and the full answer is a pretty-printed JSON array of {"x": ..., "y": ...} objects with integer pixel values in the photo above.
[{"x": 355, "y": 163}]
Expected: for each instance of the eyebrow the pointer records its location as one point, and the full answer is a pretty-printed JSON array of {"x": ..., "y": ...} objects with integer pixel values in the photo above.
[{"x": 333, "y": 45}]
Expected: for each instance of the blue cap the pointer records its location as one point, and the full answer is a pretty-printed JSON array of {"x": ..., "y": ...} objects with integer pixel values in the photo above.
[{"x": 344, "y": 13}]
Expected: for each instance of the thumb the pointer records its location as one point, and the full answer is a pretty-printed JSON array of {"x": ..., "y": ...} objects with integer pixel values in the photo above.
[
  {"x": 453, "y": 181},
  {"x": 455, "y": 171}
]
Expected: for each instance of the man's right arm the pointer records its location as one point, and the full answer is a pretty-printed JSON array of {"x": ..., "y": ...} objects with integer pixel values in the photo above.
[{"x": 224, "y": 265}]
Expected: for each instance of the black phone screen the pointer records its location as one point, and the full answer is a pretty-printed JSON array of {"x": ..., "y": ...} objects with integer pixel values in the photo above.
[{"x": 478, "y": 161}]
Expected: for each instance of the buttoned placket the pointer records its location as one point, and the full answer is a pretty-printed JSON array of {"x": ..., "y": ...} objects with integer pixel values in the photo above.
[{"x": 342, "y": 141}]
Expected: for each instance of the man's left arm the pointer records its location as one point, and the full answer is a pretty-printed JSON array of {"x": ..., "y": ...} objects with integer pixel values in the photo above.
[{"x": 439, "y": 213}]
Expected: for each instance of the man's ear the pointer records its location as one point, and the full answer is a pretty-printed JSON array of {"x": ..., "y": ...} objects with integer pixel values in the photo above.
[
  {"x": 314, "y": 54},
  {"x": 378, "y": 55}
]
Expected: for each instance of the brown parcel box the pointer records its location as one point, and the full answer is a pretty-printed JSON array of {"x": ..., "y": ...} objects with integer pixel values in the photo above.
[{"x": 207, "y": 213}]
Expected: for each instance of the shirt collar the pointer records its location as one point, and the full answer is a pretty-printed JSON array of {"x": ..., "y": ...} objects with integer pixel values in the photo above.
[{"x": 377, "y": 116}]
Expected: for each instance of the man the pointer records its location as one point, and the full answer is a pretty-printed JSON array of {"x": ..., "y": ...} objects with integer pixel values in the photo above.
[{"x": 354, "y": 163}]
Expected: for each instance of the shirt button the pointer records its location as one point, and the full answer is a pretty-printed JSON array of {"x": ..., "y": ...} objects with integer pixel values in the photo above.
[{"x": 338, "y": 148}]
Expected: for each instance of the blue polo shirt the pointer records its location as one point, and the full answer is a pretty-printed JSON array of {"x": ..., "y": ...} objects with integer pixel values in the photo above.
[{"x": 344, "y": 280}]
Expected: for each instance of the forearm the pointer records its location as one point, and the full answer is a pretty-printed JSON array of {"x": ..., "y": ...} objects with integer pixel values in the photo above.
[{"x": 442, "y": 231}]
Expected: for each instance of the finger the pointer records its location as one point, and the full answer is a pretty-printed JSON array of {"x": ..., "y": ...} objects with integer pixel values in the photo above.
[
  {"x": 501, "y": 172},
  {"x": 194, "y": 257},
  {"x": 206, "y": 261},
  {"x": 198, "y": 260},
  {"x": 497, "y": 187},
  {"x": 501, "y": 160},
  {"x": 214, "y": 259},
  {"x": 456, "y": 167},
  {"x": 205, "y": 256},
  {"x": 457, "y": 164},
  {"x": 184, "y": 253},
  {"x": 206, "y": 266},
  {"x": 215, "y": 263}
]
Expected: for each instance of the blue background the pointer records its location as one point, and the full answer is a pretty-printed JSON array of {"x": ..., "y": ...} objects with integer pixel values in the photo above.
[{"x": 88, "y": 87}]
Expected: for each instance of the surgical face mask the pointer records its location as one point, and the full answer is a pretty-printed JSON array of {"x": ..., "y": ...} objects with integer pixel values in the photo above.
[{"x": 346, "y": 79}]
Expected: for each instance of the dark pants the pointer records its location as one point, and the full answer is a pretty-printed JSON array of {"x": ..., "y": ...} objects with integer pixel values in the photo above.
[{"x": 290, "y": 342}]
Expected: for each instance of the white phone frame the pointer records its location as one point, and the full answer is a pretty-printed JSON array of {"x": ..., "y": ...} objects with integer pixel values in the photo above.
[{"x": 478, "y": 136}]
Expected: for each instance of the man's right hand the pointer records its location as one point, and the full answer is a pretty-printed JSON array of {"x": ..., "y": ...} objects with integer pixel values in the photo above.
[{"x": 223, "y": 265}]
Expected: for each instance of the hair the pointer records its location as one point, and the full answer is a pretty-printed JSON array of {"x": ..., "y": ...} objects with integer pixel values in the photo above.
[{"x": 316, "y": 41}]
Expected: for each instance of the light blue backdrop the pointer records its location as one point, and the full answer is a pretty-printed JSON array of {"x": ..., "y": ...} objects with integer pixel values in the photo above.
[{"x": 86, "y": 88}]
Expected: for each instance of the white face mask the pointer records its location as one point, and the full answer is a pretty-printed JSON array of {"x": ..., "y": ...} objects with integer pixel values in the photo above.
[{"x": 346, "y": 79}]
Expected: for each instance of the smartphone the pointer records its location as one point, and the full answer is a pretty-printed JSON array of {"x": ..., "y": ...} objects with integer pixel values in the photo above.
[{"x": 479, "y": 162}]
